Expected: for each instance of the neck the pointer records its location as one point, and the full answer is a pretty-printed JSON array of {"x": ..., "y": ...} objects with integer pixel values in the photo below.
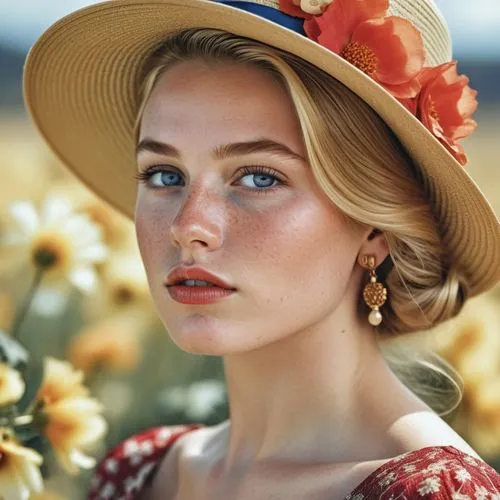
[{"x": 315, "y": 395}]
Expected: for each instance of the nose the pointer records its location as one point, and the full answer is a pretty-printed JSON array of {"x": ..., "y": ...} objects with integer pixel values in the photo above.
[{"x": 199, "y": 221}]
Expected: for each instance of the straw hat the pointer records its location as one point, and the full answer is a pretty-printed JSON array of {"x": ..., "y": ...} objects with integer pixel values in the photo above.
[{"x": 81, "y": 79}]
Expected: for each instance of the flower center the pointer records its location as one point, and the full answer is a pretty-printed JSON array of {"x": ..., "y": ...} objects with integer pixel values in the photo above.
[
  {"x": 51, "y": 252},
  {"x": 360, "y": 56},
  {"x": 123, "y": 295}
]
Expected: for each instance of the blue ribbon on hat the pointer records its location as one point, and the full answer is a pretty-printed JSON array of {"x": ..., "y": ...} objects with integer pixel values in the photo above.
[{"x": 274, "y": 15}]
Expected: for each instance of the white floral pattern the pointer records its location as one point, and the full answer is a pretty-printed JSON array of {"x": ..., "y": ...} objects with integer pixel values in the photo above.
[
  {"x": 429, "y": 485},
  {"x": 481, "y": 493},
  {"x": 458, "y": 496},
  {"x": 462, "y": 475},
  {"x": 430, "y": 473},
  {"x": 439, "y": 466}
]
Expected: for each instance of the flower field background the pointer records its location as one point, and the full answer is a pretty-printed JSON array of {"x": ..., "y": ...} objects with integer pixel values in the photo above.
[{"x": 74, "y": 293}]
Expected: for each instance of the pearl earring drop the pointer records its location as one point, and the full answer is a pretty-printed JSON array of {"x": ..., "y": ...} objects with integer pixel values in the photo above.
[{"x": 374, "y": 293}]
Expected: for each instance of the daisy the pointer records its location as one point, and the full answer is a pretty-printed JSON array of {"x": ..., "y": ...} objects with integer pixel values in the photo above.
[
  {"x": 124, "y": 286},
  {"x": 116, "y": 228},
  {"x": 112, "y": 344},
  {"x": 19, "y": 469},
  {"x": 60, "y": 245},
  {"x": 68, "y": 417}
]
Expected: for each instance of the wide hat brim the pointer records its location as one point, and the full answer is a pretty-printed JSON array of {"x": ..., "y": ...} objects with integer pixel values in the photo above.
[{"x": 80, "y": 84}]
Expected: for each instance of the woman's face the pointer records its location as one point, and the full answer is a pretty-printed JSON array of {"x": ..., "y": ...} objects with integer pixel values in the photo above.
[{"x": 272, "y": 233}]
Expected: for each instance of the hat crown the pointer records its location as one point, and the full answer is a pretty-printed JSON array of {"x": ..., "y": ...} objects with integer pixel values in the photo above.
[{"x": 423, "y": 14}]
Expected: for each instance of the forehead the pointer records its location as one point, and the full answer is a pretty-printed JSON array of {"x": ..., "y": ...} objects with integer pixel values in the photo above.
[{"x": 214, "y": 97}]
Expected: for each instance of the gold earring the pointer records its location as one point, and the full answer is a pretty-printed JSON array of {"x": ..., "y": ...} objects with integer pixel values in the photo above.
[{"x": 374, "y": 293}]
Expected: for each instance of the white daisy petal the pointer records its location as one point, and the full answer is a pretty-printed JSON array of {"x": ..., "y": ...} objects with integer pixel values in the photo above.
[
  {"x": 82, "y": 460},
  {"x": 55, "y": 210},
  {"x": 84, "y": 278},
  {"x": 93, "y": 253},
  {"x": 82, "y": 230},
  {"x": 50, "y": 301},
  {"x": 14, "y": 239},
  {"x": 26, "y": 216},
  {"x": 32, "y": 477}
]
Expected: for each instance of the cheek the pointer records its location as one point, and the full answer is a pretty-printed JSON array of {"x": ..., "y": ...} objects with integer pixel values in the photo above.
[
  {"x": 151, "y": 227},
  {"x": 299, "y": 242}
]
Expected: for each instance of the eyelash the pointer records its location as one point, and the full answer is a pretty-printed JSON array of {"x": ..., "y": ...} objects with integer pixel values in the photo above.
[{"x": 146, "y": 175}]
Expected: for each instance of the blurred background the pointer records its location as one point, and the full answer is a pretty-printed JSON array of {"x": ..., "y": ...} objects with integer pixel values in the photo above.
[{"x": 112, "y": 332}]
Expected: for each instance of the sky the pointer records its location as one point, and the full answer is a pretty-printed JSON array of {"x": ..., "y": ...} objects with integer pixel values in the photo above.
[{"x": 474, "y": 24}]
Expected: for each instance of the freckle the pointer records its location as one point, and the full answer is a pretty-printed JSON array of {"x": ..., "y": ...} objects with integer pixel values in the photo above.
[{"x": 342, "y": 331}]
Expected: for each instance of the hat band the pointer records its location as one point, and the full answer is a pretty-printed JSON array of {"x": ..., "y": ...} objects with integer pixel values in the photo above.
[{"x": 293, "y": 23}]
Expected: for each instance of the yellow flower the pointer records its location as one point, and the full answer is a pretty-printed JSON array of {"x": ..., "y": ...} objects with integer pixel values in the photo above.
[
  {"x": 19, "y": 469},
  {"x": 60, "y": 381},
  {"x": 112, "y": 344},
  {"x": 484, "y": 417},
  {"x": 70, "y": 419},
  {"x": 471, "y": 341},
  {"x": 124, "y": 286},
  {"x": 65, "y": 245},
  {"x": 11, "y": 385},
  {"x": 72, "y": 425}
]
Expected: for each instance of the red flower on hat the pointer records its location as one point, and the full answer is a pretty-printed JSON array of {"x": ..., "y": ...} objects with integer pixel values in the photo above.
[
  {"x": 387, "y": 48},
  {"x": 390, "y": 50},
  {"x": 445, "y": 106}
]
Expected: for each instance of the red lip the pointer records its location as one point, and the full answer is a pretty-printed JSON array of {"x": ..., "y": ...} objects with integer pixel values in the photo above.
[
  {"x": 181, "y": 273},
  {"x": 200, "y": 294}
]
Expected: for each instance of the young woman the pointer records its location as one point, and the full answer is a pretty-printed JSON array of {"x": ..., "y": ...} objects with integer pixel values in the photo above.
[{"x": 301, "y": 196}]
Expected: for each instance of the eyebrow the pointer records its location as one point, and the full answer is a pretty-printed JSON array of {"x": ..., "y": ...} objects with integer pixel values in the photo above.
[{"x": 225, "y": 150}]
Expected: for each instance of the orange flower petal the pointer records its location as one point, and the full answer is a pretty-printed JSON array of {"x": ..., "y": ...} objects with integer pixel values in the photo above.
[
  {"x": 312, "y": 28},
  {"x": 397, "y": 45},
  {"x": 445, "y": 106},
  {"x": 410, "y": 105},
  {"x": 341, "y": 18},
  {"x": 456, "y": 150},
  {"x": 406, "y": 90}
]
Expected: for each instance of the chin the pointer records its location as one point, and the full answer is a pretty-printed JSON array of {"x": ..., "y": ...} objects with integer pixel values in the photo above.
[
  {"x": 201, "y": 334},
  {"x": 197, "y": 334}
]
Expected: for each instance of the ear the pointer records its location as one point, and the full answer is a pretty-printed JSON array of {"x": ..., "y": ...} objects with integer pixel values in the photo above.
[{"x": 374, "y": 244}]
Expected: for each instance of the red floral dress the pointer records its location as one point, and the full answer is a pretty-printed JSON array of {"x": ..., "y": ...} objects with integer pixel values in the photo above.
[{"x": 430, "y": 473}]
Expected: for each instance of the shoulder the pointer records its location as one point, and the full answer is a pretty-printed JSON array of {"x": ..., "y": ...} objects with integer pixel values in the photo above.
[
  {"x": 126, "y": 469},
  {"x": 434, "y": 473}
]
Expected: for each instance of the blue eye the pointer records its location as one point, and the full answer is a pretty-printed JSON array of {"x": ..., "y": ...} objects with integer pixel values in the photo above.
[
  {"x": 260, "y": 180},
  {"x": 264, "y": 178},
  {"x": 165, "y": 177}
]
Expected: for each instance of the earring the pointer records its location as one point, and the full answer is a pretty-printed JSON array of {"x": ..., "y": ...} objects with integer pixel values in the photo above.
[{"x": 374, "y": 293}]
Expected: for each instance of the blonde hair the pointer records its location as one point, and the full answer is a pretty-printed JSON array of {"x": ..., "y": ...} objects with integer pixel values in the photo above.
[{"x": 366, "y": 173}]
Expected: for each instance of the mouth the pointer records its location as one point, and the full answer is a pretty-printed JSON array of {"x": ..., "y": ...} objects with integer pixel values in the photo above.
[
  {"x": 196, "y": 283},
  {"x": 190, "y": 285}
]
